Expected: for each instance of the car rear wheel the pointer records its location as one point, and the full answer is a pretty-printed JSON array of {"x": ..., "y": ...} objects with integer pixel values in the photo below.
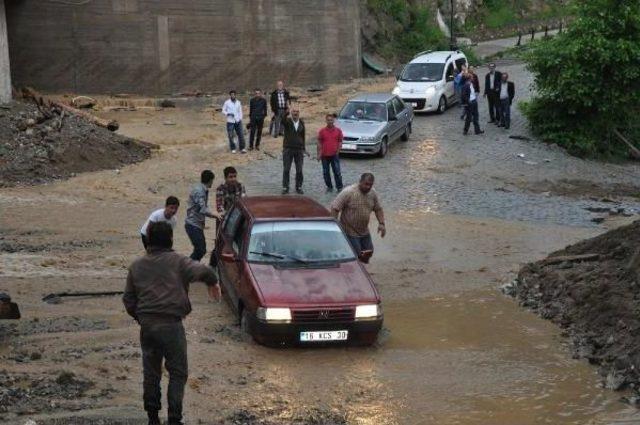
[
  {"x": 442, "y": 105},
  {"x": 384, "y": 148},
  {"x": 407, "y": 133}
]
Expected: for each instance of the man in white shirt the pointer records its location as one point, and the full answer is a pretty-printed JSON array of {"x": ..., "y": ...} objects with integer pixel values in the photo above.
[
  {"x": 166, "y": 214},
  {"x": 232, "y": 110},
  {"x": 470, "y": 101}
]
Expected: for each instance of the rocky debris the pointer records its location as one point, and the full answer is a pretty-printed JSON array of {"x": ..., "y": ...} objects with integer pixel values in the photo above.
[
  {"x": 12, "y": 246},
  {"x": 232, "y": 332},
  {"x": 596, "y": 303},
  {"x": 21, "y": 393},
  {"x": 37, "y": 146},
  {"x": 312, "y": 416},
  {"x": 54, "y": 325}
]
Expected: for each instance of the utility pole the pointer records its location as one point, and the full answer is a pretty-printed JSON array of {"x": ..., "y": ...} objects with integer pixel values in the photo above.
[
  {"x": 5, "y": 71},
  {"x": 452, "y": 43}
]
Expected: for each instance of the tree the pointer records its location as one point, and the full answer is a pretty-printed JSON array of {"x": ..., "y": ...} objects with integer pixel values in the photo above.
[{"x": 587, "y": 79}]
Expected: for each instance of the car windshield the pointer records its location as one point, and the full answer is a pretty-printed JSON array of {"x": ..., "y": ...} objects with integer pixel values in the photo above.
[
  {"x": 422, "y": 72},
  {"x": 298, "y": 241},
  {"x": 364, "y": 111}
]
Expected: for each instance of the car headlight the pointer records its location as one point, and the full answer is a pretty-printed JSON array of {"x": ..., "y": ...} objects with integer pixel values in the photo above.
[
  {"x": 369, "y": 139},
  {"x": 368, "y": 311},
  {"x": 396, "y": 90},
  {"x": 274, "y": 314},
  {"x": 431, "y": 91}
]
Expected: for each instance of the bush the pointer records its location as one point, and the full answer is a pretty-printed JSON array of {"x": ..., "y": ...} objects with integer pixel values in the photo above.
[{"x": 588, "y": 79}]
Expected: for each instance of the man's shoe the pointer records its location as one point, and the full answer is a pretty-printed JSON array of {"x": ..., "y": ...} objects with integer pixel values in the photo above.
[
  {"x": 506, "y": 127},
  {"x": 154, "y": 419},
  {"x": 480, "y": 132},
  {"x": 500, "y": 125},
  {"x": 491, "y": 121},
  {"x": 299, "y": 191},
  {"x": 233, "y": 151},
  {"x": 465, "y": 133},
  {"x": 250, "y": 148},
  {"x": 257, "y": 148},
  {"x": 243, "y": 151},
  {"x": 285, "y": 190},
  {"x": 329, "y": 189}
]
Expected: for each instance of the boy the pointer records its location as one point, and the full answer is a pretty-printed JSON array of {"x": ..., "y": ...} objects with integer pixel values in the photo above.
[
  {"x": 166, "y": 214},
  {"x": 229, "y": 191}
]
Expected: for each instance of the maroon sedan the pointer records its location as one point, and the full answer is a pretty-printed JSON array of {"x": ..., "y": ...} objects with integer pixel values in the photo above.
[{"x": 291, "y": 275}]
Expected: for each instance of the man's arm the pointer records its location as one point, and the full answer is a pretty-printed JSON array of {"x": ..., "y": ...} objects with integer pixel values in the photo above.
[
  {"x": 193, "y": 271},
  {"x": 130, "y": 299},
  {"x": 304, "y": 143},
  {"x": 199, "y": 199},
  {"x": 340, "y": 139},
  {"x": 379, "y": 212},
  {"x": 225, "y": 109},
  {"x": 238, "y": 116},
  {"x": 319, "y": 144},
  {"x": 512, "y": 91},
  {"x": 338, "y": 204},
  {"x": 220, "y": 199}
]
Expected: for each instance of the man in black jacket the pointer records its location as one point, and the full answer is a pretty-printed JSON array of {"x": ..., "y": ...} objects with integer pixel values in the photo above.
[
  {"x": 257, "y": 113},
  {"x": 293, "y": 149},
  {"x": 507, "y": 93},
  {"x": 156, "y": 296},
  {"x": 280, "y": 101},
  {"x": 469, "y": 99},
  {"x": 492, "y": 91}
]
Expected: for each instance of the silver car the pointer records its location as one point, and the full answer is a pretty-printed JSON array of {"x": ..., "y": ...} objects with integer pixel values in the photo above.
[{"x": 370, "y": 122}]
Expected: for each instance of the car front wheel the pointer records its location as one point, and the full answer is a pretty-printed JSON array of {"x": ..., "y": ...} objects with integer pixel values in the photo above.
[
  {"x": 384, "y": 148},
  {"x": 442, "y": 105}
]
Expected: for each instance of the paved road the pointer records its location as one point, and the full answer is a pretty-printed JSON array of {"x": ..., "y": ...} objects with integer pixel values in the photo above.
[
  {"x": 491, "y": 47},
  {"x": 441, "y": 170}
]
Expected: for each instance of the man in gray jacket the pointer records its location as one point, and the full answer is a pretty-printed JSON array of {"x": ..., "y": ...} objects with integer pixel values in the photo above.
[
  {"x": 157, "y": 297},
  {"x": 197, "y": 211}
]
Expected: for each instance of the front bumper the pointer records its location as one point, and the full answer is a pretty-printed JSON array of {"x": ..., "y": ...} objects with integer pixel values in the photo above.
[
  {"x": 422, "y": 104},
  {"x": 361, "y": 332},
  {"x": 361, "y": 149}
]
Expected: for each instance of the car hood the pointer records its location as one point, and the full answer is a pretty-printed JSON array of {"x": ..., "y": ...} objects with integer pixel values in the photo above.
[
  {"x": 345, "y": 283},
  {"x": 408, "y": 88},
  {"x": 360, "y": 128}
]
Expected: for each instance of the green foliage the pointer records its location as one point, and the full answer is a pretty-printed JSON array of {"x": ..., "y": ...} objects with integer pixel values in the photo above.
[
  {"x": 588, "y": 79},
  {"x": 497, "y": 14}
]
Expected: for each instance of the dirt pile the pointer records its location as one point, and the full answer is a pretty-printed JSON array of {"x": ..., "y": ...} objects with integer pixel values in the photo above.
[
  {"x": 592, "y": 291},
  {"x": 37, "y": 147}
]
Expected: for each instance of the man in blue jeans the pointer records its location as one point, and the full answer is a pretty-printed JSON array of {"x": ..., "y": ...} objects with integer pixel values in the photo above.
[
  {"x": 197, "y": 211},
  {"x": 329, "y": 145},
  {"x": 232, "y": 110}
]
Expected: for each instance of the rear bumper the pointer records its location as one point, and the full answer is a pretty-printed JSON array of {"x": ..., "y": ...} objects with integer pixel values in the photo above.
[{"x": 361, "y": 332}]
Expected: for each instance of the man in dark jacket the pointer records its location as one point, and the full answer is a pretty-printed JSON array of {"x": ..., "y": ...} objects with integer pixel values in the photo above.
[
  {"x": 293, "y": 149},
  {"x": 280, "y": 101},
  {"x": 507, "y": 93},
  {"x": 470, "y": 102},
  {"x": 257, "y": 113},
  {"x": 156, "y": 296},
  {"x": 492, "y": 92}
]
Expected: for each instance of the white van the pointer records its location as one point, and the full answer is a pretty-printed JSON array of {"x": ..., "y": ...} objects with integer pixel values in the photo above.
[{"x": 426, "y": 83}]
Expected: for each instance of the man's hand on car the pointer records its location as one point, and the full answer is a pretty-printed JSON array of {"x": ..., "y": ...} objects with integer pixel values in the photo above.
[{"x": 215, "y": 292}]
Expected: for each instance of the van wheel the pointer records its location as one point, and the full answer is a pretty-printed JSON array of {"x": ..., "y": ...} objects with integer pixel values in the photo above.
[
  {"x": 442, "y": 105},
  {"x": 407, "y": 133},
  {"x": 384, "y": 148},
  {"x": 244, "y": 327}
]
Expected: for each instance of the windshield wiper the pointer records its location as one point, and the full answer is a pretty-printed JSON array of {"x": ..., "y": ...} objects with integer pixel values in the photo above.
[{"x": 278, "y": 255}]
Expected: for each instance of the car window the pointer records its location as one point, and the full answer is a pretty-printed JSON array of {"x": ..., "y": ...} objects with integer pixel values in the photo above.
[
  {"x": 232, "y": 222},
  {"x": 449, "y": 75},
  {"x": 238, "y": 237},
  {"x": 422, "y": 72},
  {"x": 398, "y": 104},
  {"x": 390, "y": 110},
  {"x": 298, "y": 241},
  {"x": 363, "y": 111}
]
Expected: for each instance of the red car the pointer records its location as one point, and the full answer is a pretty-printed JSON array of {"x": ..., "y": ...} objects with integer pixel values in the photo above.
[{"x": 290, "y": 274}]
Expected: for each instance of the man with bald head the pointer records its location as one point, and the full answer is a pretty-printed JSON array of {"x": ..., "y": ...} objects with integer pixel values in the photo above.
[
  {"x": 293, "y": 149},
  {"x": 280, "y": 102}
]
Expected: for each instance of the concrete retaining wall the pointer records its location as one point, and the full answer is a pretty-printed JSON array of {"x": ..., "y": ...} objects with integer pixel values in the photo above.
[
  {"x": 170, "y": 46},
  {"x": 5, "y": 75}
]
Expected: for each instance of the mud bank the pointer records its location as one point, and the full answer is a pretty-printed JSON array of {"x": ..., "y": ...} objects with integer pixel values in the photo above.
[{"x": 590, "y": 290}]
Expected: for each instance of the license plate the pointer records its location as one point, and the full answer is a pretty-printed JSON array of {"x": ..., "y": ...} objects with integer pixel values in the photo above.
[
  {"x": 349, "y": 147},
  {"x": 319, "y": 336},
  {"x": 414, "y": 104}
]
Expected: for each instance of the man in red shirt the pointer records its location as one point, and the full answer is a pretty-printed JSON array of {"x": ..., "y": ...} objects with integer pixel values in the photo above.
[{"x": 329, "y": 145}]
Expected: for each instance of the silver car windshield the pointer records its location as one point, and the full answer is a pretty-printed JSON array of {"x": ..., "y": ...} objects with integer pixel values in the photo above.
[
  {"x": 422, "y": 72},
  {"x": 298, "y": 241},
  {"x": 364, "y": 111}
]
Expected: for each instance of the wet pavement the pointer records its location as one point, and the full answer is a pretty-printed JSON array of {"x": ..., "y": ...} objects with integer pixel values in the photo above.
[{"x": 491, "y": 175}]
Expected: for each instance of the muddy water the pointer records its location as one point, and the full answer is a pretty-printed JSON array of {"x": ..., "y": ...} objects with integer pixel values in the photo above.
[{"x": 472, "y": 359}]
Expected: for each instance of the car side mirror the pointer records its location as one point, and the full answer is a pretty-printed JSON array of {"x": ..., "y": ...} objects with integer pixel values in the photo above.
[
  {"x": 365, "y": 255},
  {"x": 228, "y": 257},
  {"x": 450, "y": 78}
]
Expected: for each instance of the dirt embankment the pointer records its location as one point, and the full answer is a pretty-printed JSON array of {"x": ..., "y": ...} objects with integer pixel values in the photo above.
[
  {"x": 36, "y": 148},
  {"x": 592, "y": 291}
]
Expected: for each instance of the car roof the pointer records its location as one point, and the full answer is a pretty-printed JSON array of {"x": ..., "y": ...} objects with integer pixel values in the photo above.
[
  {"x": 436, "y": 57},
  {"x": 283, "y": 207},
  {"x": 372, "y": 97}
]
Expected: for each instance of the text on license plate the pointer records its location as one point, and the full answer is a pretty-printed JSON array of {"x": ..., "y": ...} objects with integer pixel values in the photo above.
[
  {"x": 350, "y": 147},
  {"x": 414, "y": 104},
  {"x": 324, "y": 336}
]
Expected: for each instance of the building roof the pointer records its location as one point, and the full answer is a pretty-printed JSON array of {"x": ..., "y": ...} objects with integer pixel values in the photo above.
[
  {"x": 284, "y": 207},
  {"x": 372, "y": 97},
  {"x": 435, "y": 57}
]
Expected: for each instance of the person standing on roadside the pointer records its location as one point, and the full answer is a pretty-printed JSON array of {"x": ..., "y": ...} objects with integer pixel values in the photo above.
[
  {"x": 329, "y": 145},
  {"x": 280, "y": 101},
  {"x": 492, "y": 92},
  {"x": 458, "y": 83},
  {"x": 353, "y": 206},
  {"x": 257, "y": 114},
  {"x": 229, "y": 191},
  {"x": 470, "y": 102},
  {"x": 232, "y": 110},
  {"x": 197, "y": 211},
  {"x": 507, "y": 93},
  {"x": 293, "y": 150},
  {"x": 166, "y": 214},
  {"x": 157, "y": 297},
  {"x": 474, "y": 78}
]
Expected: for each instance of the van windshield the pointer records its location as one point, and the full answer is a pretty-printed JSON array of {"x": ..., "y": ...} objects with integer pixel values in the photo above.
[
  {"x": 422, "y": 72},
  {"x": 299, "y": 241}
]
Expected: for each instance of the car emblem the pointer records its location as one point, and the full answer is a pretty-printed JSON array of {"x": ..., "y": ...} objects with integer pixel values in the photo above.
[
  {"x": 411, "y": 91},
  {"x": 324, "y": 314}
]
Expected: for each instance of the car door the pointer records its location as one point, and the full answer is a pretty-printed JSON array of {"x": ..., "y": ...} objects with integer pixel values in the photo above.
[
  {"x": 403, "y": 113},
  {"x": 232, "y": 243},
  {"x": 394, "y": 122},
  {"x": 449, "y": 89}
]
